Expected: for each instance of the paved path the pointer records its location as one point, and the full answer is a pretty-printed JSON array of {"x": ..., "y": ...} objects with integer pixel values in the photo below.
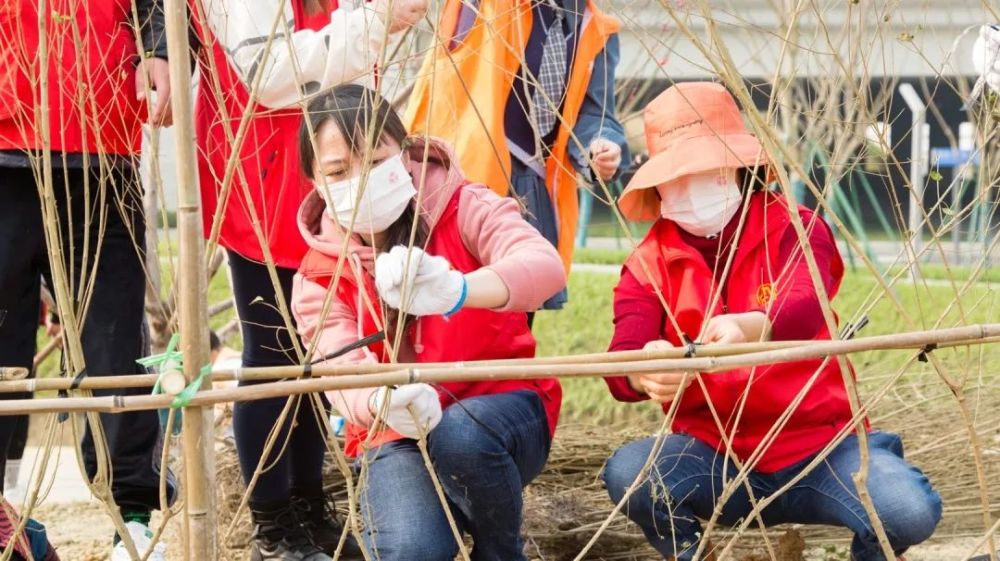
[{"x": 62, "y": 479}]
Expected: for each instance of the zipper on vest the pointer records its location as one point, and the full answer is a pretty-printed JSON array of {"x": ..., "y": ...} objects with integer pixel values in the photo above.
[
  {"x": 542, "y": 391},
  {"x": 418, "y": 339},
  {"x": 361, "y": 301}
]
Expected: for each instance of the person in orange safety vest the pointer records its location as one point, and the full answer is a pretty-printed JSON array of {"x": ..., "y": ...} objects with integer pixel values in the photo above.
[{"x": 525, "y": 92}]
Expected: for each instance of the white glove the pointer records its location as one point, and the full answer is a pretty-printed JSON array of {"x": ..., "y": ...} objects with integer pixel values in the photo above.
[
  {"x": 986, "y": 59},
  {"x": 421, "y": 398},
  {"x": 433, "y": 289},
  {"x": 396, "y": 269}
]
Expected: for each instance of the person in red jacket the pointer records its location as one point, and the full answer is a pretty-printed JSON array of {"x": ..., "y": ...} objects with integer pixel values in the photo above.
[
  {"x": 460, "y": 289},
  {"x": 725, "y": 258},
  {"x": 245, "y": 69},
  {"x": 97, "y": 80}
]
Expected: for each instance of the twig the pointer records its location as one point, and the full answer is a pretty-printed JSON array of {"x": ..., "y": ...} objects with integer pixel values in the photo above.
[{"x": 422, "y": 445}]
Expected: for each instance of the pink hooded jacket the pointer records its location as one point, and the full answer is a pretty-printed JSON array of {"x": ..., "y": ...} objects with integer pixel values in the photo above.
[{"x": 491, "y": 228}]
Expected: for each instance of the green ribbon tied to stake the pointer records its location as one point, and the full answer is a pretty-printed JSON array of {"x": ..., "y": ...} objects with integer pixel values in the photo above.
[{"x": 169, "y": 366}]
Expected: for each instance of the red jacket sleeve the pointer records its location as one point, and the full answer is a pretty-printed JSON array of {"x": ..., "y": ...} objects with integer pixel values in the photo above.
[
  {"x": 639, "y": 318},
  {"x": 797, "y": 313}
]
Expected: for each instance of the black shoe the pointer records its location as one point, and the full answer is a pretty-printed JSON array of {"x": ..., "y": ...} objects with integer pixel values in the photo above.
[
  {"x": 317, "y": 514},
  {"x": 279, "y": 536}
]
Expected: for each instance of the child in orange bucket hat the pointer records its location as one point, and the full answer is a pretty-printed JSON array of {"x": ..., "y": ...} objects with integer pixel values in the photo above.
[{"x": 729, "y": 266}]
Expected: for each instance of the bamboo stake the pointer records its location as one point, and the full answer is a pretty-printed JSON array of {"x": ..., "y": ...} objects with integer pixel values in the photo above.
[
  {"x": 197, "y": 432},
  {"x": 959, "y": 336},
  {"x": 429, "y": 465}
]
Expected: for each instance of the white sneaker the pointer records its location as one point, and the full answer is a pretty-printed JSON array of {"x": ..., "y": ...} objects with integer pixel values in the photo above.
[{"x": 142, "y": 536}]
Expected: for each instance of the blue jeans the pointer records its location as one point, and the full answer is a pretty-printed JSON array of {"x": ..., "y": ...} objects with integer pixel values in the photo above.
[
  {"x": 485, "y": 450},
  {"x": 686, "y": 478}
]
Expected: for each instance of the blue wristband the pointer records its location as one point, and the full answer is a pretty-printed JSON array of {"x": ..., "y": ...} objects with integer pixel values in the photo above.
[{"x": 461, "y": 299}]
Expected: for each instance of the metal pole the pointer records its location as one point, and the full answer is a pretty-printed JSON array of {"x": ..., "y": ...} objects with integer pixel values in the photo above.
[
  {"x": 199, "y": 465},
  {"x": 963, "y": 174},
  {"x": 586, "y": 212},
  {"x": 919, "y": 133}
]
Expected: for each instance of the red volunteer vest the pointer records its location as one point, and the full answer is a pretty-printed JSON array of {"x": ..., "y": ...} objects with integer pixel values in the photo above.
[
  {"x": 470, "y": 334},
  {"x": 747, "y": 399},
  {"x": 269, "y": 158},
  {"x": 99, "y": 115}
]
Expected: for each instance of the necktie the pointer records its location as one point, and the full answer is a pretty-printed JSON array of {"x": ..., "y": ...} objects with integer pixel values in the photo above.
[{"x": 551, "y": 76}]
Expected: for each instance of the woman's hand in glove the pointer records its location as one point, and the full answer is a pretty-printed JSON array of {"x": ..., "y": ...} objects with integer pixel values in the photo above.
[
  {"x": 421, "y": 399},
  {"x": 418, "y": 283}
]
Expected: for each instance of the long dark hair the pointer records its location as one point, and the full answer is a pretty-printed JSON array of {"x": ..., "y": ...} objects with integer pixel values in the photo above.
[{"x": 356, "y": 111}]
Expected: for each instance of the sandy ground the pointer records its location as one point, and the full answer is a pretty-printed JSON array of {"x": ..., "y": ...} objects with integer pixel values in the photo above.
[{"x": 82, "y": 532}]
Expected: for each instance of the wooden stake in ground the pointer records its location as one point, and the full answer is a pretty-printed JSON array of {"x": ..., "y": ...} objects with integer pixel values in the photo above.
[{"x": 199, "y": 464}]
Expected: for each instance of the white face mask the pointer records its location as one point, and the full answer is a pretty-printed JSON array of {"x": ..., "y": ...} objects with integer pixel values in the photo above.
[
  {"x": 389, "y": 188},
  {"x": 702, "y": 204}
]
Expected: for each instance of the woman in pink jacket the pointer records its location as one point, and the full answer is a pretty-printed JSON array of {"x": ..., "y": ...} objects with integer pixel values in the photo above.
[{"x": 460, "y": 291}]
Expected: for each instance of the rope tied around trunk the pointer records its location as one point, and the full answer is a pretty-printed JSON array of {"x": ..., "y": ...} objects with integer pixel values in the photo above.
[{"x": 169, "y": 361}]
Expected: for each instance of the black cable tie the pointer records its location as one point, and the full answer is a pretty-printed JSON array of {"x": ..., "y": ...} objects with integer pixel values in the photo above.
[
  {"x": 852, "y": 329},
  {"x": 307, "y": 370},
  {"x": 78, "y": 379},
  {"x": 922, "y": 357},
  {"x": 692, "y": 349},
  {"x": 377, "y": 337},
  {"x": 64, "y": 416}
]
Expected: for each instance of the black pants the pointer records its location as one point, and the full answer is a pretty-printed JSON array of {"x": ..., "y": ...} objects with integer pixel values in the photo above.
[
  {"x": 267, "y": 342},
  {"x": 114, "y": 332}
]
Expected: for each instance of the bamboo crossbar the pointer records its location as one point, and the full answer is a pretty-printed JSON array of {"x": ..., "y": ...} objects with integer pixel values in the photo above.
[
  {"x": 262, "y": 374},
  {"x": 271, "y": 373},
  {"x": 331, "y": 378}
]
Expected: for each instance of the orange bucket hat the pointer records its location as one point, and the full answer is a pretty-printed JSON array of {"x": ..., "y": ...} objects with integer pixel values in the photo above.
[{"x": 690, "y": 128}]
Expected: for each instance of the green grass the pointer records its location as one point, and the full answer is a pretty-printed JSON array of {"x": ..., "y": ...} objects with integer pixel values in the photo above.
[
  {"x": 171, "y": 221},
  {"x": 598, "y": 256},
  {"x": 608, "y": 227},
  {"x": 959, "y": 273}
]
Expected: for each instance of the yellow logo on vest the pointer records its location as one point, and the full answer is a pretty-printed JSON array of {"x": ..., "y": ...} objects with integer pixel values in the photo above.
[{"x": 765, "y": 294}]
